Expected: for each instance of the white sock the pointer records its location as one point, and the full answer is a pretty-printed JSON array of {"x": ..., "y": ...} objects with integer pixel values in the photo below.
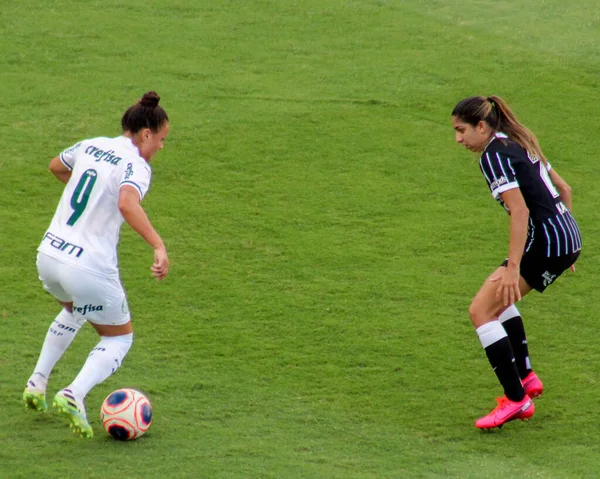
[
  {"x": 61, "y": 333},
  {"x": 509, "y": 313},
  {"x": 491, "y": 332},
  {"x": 103, "y": 361}
]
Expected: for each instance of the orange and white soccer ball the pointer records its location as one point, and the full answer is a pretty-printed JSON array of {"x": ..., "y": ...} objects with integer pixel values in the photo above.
[{"x": 126, "y": 414}]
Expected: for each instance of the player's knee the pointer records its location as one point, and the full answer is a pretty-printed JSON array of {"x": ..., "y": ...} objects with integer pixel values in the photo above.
[
  {"x": 118, "y": 344},
  {"x": 125, "y": 342},
  {"x": 477, "y": 315}
]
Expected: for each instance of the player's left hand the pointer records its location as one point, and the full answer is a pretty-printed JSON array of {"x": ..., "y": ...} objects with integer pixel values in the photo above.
[{"x": 160, "y": 268}]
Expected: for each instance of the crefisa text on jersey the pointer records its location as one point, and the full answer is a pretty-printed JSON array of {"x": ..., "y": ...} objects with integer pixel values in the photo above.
[
  {"x": 62, "y": 245},
  {"x": 106, "y": 156}
]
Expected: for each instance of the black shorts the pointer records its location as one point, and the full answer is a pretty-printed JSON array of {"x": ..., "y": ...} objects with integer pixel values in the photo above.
[{"x": 540, "y": 271}]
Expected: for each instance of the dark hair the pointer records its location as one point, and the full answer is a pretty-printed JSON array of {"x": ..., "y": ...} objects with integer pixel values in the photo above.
[
  {"x": 145, "y": 114},
  {"x": 494, "y": 111}
]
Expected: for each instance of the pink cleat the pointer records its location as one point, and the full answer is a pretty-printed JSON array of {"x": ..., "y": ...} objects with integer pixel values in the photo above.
[
  {"x": 507, "y": 410},
  {"x": 533, "y": 386}
]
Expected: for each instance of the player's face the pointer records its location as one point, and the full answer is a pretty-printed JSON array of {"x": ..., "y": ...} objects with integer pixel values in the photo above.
[
  {"x": 152, "y": 142},
  {"x": 473, "y": 138}
]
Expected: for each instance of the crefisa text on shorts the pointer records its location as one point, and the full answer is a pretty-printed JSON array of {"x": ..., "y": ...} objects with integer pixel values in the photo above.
[{"x": 87, "y": 308}]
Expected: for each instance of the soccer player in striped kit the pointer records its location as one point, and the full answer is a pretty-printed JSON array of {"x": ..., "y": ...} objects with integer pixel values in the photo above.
[
  {"x": 105, "y": 181},
  {"x": 544, "y": 241}
]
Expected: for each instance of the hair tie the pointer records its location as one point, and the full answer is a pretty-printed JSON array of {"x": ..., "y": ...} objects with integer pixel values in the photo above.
[{"x": 492, "y": 102}]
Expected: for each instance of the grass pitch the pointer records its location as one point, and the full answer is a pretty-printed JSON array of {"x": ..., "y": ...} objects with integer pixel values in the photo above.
[{"x": 326, "y": 234}]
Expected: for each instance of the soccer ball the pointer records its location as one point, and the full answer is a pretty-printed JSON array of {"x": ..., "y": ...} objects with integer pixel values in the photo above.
[{"x": 126, "y": 414}]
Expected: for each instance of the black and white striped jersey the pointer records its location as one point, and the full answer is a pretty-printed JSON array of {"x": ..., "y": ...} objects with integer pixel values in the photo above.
[{"x": 552, "y": 229}]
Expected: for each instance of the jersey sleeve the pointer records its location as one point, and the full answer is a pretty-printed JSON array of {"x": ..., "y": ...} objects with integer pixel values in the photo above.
[
  {"x": 69, "y": 156},
  {"x": 137, "y": 174},
  {"x": 498, "y": 172}
]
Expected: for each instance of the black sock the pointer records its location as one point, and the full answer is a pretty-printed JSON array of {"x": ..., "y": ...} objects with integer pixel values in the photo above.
[
  {"x": 516, "y": 333},
  {"x": 501, "y": 357}
]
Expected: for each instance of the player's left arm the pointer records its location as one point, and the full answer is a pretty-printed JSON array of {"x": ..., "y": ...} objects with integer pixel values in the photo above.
[
  {"x": 508, "y": 289},
  {"x": 565, "y": 193},
  {"x": 58, "y": 169},
  {"x": 563, "y": 188},
  {"x": 135, "y": 216}
]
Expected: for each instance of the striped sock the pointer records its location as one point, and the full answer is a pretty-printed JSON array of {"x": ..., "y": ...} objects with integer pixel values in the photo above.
[
  {"x": 497, "y": 347},
  {"x": 515, "y": 329}
]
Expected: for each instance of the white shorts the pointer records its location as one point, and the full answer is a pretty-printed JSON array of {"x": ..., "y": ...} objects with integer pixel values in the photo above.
[{"x": 95, "y": 298}]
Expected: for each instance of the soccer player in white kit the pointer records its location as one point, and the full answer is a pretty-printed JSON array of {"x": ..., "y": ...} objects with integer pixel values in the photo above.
[{"x": 106, "y": 179}]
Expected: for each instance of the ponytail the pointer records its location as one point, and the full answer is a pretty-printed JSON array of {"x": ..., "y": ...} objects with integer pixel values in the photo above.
[{"x": 516, "y": 131}]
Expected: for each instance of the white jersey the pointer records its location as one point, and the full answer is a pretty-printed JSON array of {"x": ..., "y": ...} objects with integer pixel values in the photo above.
[{"x": 84, "y": 231}]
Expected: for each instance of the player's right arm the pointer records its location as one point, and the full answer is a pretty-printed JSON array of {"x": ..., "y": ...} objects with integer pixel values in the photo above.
[
  {"x": 62, "y": 165},
  {"x": 135, "y": 216},
  {"x": 58, "y": 169}
]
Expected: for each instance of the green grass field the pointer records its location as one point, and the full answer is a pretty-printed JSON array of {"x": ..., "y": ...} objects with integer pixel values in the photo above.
[{"x": 326, "y": 234}]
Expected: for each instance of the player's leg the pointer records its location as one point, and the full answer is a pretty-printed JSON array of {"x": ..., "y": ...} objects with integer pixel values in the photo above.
[
  {"x": 484, "y": 311},
  {"x": 103, "y": 304},
  {"x": 60, "y": 334},
  {"x": 539, "y": 272},
  {"x": 104, "y": 359},
  {"x": 512, "y": 322}
]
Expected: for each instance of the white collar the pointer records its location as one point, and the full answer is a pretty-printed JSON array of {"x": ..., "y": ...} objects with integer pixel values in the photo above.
[{"x": 498, "y": 134}]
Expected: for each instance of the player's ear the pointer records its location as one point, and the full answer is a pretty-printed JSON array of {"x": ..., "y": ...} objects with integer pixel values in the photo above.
[
  {"x": 481, "y": 126},
  {"x": 145, "y": 133}
]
